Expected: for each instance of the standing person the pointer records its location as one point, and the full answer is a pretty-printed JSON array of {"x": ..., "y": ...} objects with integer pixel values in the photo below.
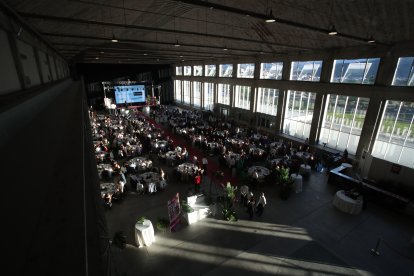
[
  {"x": 205, "y": 163},
  {"x": 250, "y": 207},
  {"x": 261, "y": 203},
  {"x": 197, "y": 182}
]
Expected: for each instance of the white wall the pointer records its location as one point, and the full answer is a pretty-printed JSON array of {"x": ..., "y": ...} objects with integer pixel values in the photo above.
[
  {"x": 28, "y": 60},
  {"x": 8, "y": 74},
  {"x": 44, "y": 64},
  {"x": 380, "y": 169}
]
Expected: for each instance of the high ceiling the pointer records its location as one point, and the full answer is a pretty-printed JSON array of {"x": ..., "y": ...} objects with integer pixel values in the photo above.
[{"x": 147, "y": 31}]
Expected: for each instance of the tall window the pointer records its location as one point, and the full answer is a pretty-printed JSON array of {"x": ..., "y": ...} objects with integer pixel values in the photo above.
[
  {"x": 343, "y": 121},
  {"x": 361, "y": 71},
  {"x": 245, "y": 70},
  {"x": 242, "y": 97},
  {"x": 267, "y": 100},
  {"x": 186, "y": 90},
  {"x": 177, "y": 91},
  {"x": 298, "y": 113},
  {"x": 223, "y": 95},
  {"x": 404, "y": 74},
  {"x": 208, "y": 96},
  {"x": 198, "y": 70},
  {"x": 271, "y": 71},
  {"x": 210, "y": 70},
  {"x": 395, "y": 138},
  {"x": 187, "y": 70},
  {"x": 197, "y": 94},
  {"x": 306, "y": 70},
  {"x": 226, "y": 70},
  {"x": 179, "y": 70}
]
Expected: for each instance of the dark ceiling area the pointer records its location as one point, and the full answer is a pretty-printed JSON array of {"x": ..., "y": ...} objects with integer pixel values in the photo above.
[
  {"x": 171, "y": 31},
  {"x": 107, "y": 72}
]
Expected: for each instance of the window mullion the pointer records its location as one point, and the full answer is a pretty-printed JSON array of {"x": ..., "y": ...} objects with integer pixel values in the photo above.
[{"x": 342, "y": 123}]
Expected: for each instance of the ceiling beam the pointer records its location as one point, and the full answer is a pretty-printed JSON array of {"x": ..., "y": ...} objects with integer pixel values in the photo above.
[
  {"x": 263, "y": 17},
  {"x": 107, "y": 39},
  {"x": 154, "y": 29}
]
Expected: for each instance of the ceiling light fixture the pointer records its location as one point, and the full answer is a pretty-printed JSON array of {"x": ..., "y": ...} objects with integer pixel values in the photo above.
[
  {"x": 102, "y": 52},
  {"x": 181, "y": 56},
  {"x": 332, "y": 30},
  {"x": 97, "y": 58},
  {"x": 145, "y": 54},
  {"x": 114, "y": 39},
  {"x": 225, "y": 48},
  {"x": 270, "y": 18},
  {"x": 371, "y": 40},
  {"x": 177, "y": 44}
]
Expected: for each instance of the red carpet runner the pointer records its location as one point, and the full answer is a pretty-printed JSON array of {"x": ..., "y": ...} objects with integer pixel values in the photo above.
[{"x": 212, "y": 166}]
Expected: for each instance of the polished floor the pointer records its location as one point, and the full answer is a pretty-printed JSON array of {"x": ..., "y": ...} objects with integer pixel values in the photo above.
[{"x": 303, "y": 235}]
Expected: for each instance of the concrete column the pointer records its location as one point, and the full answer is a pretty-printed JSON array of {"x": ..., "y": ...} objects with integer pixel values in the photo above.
[
  {"x": 38, "y": 65},
  {"x": 280, "y": 111},
  {"x": 327, "y": 66},
  {"x": 317, "y": 118},
  {"x": 371, "y": 125},
  {"x": 386, "y": 70},
  {"x": 286, "y": 70}
]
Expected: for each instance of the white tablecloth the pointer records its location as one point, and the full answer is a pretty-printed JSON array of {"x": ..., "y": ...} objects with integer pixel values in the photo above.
[
  {"x": 261, "y": 171},
  {"x": 347, "y": 204},
  {"x": 297, "y": 182},
  {"x": 144, "y": 233}
]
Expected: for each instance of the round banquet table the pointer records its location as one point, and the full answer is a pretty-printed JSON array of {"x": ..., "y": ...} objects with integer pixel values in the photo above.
[
  {"x": 347, "y": 204},
  {"x": 144, "y": 233},
  {"x": 261, "y": 171},
  {"x": 140, "y": 163},
  {"x": 187, "y": 168},
  {"x": 305, "y": 170}
]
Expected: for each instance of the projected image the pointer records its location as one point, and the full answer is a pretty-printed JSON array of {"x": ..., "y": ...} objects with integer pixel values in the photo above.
[{"x": 130, "y": 94}]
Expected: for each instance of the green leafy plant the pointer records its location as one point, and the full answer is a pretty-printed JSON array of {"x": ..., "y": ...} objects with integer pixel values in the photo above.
[
  {"x": 185, "y": 207},
  {"x": 141, "y": 219},
  {"x": 228, "y": 203},
  {"x": 162, "y": 224},
  {"x": 285, "y": 182}
]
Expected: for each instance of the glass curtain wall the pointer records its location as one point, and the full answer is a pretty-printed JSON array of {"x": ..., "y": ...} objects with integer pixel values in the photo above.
[
  {"x": 271, "y": 71},
  {"x": 177, "y": 91},
  {"x": 223, "y": 93},
  {"x": 342, "y": 122},
  {"x": 186, "y": 90},
  {"x": 360, "y": 71},
  {"x": 306, "y": 70},
  {"x": 404, "y": 74},
  {"x": 210, "y": 70},
  {"x": 197, "y": 94},
  {"x": 208, "y": 96},
  {"x": 226, "y": 70},
  {"x": 395, "y": 138},
  {"x": 298, "y": 113},
  {"x": 245, "y": 70},
  {"x": 179, "y": 71},
  {"x": 267, "y": 99},
  {"x": 242, "y": 97}
]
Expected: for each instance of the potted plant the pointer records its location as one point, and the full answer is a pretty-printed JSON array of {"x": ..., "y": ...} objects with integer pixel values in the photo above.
[
  {"x": 228, "y": 212},
  {"x": 285, "y": 182},
  {"x": 190, "y": 215},
  {"x": 162, "y": 224},
  {"x": 141, "y": 220}
]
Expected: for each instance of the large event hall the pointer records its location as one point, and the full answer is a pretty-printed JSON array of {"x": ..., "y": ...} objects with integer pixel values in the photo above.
[{"x": 206, "y": 137}]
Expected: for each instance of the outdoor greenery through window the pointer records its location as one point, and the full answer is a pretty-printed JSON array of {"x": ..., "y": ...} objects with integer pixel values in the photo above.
[
  {"x": 245, "y": 70},
  {"x": 223, "y": 95},
  {"x": 271, "y": 71},
  {"x": 242, "y": 97},
  {"x": 187, "y": 70},
  {"x": 395, "y": 137},
  {"x": 177, "y": 91},
  {"x": 208, "y": 96},
  {"x": 343, "y": 121},
  {"x": 298, "y": 113},
  {"x": 404, "y": 73},
  {"x": 360, "y": 71},
  {"x": 198, "y": 70},
  {"x": 306, "y": 70},
  {"x": 179, "y": 71},
  {"x": 186, "y": 90},
  {"x": 226, "y": 70},
  {"x": 210, "y": 70},
  {"x": 267, "y": 100},
  {"x": 197, "y": 94}
]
